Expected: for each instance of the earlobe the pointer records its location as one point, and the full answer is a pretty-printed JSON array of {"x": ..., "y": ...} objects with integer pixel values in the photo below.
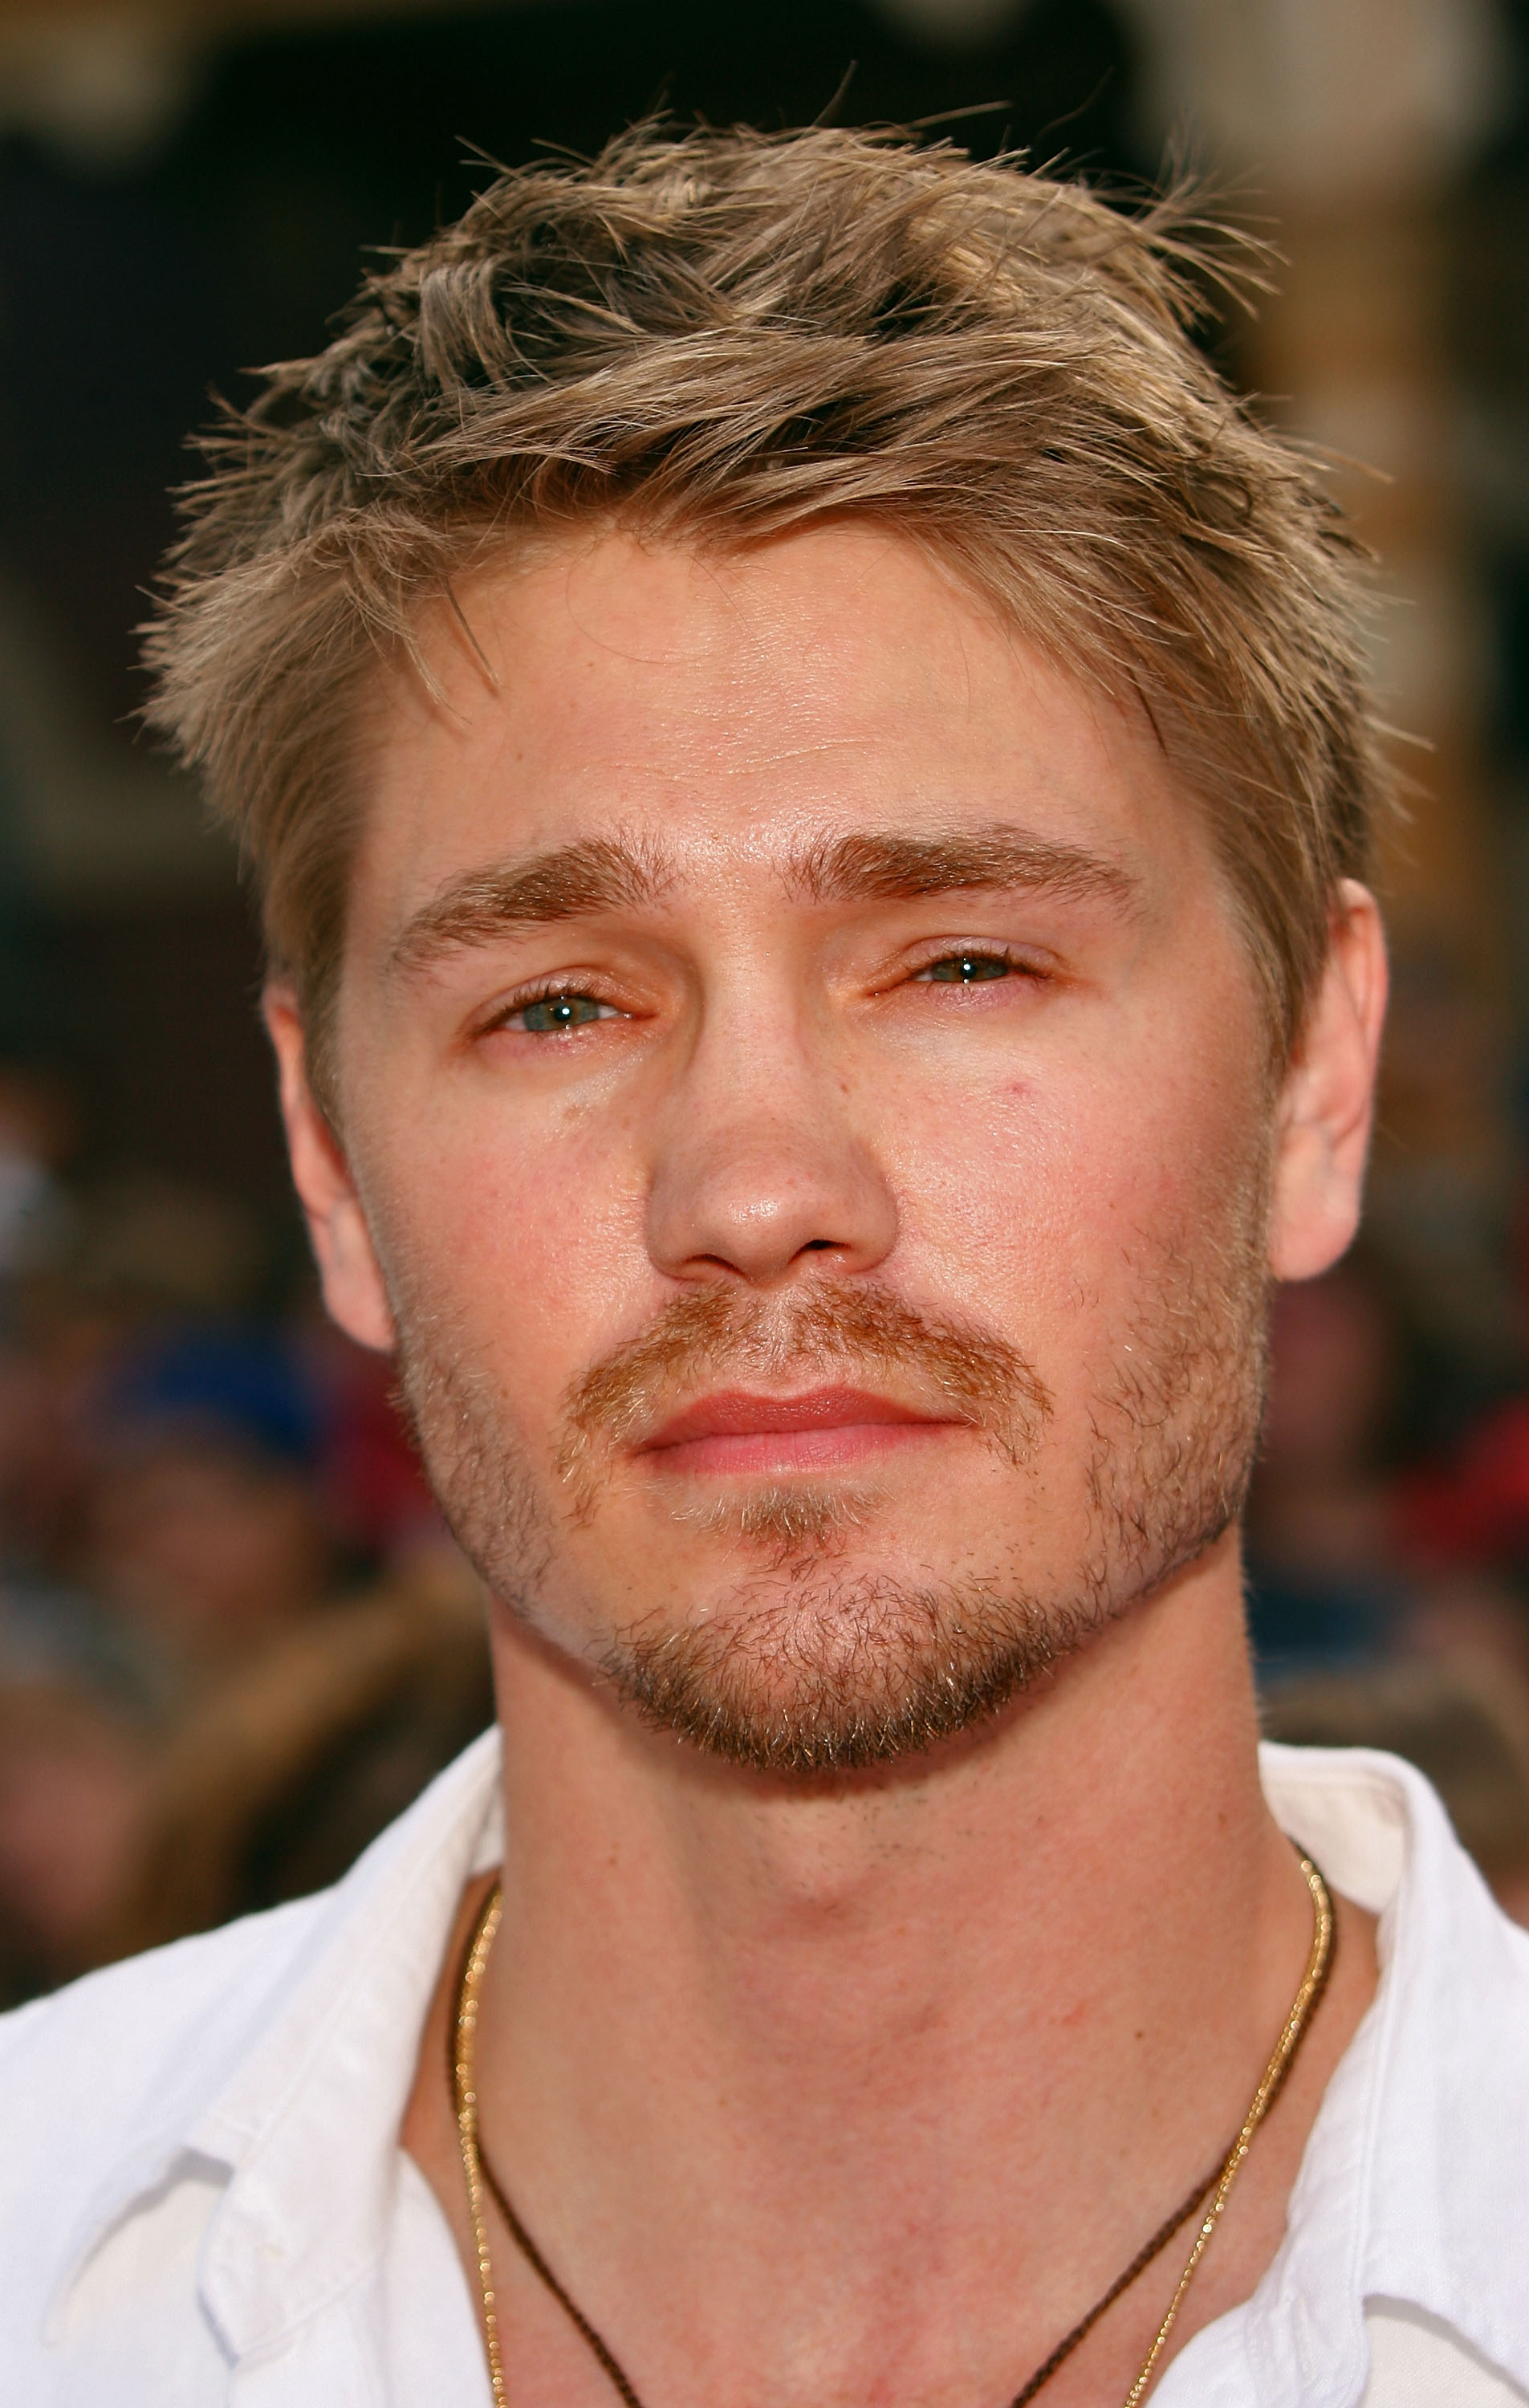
[
  {"x": 1326, "y": 1106},
  {"x": 353, "y": 1288}
]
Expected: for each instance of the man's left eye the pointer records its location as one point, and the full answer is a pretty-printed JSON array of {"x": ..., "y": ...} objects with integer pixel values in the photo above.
[
  {"x": 966, "y": 970},
  {"x": 553, "y": 1015}
]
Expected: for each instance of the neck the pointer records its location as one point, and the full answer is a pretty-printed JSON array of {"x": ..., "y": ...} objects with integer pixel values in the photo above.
[{"x": 855, "y": 2038}]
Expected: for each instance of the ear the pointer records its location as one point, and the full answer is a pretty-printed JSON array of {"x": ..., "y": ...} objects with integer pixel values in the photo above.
[
  {"x": 353, "y": 1288},
  {"x": 1326, "y": 1105}
]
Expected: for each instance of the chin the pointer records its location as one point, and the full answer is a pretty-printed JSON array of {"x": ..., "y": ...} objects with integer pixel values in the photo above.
[{"x": 841, "y": 1668}]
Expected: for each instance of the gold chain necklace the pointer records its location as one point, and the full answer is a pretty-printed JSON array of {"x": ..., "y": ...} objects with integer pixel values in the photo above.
[{"x": 1212, "y": 2192}]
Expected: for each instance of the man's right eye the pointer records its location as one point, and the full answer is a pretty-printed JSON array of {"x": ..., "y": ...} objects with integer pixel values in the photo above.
[{"x": 554, "y": 1015}]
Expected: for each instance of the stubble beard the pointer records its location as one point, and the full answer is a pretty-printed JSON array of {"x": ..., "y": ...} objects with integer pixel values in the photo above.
[{"x": 806, "y": 1668}]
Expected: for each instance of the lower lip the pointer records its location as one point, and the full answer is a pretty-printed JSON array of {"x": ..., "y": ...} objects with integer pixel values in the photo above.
[{"x": 784, "y": 1452}]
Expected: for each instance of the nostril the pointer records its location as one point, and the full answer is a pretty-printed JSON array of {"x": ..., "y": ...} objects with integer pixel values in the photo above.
[{"x": 818, "y": 1246}]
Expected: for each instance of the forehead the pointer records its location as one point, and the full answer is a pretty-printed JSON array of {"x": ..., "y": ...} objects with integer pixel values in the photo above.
[{"x": 734, "y": 709}]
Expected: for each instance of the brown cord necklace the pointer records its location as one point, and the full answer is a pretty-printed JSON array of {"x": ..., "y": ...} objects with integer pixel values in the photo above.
[{"x": 1212, "y": 2192}]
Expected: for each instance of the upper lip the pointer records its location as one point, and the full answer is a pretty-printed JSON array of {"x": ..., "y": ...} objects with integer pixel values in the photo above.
[{"x": 734, "y": 1412}]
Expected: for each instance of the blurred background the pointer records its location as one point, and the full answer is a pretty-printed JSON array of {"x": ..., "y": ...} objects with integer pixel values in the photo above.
[{"x": 233, "y": 1638}]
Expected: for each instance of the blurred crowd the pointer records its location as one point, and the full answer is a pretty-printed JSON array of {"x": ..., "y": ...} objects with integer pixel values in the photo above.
[
  {"x": 235, "y": 1638},
  {"x": 1388, "y": 1552}
]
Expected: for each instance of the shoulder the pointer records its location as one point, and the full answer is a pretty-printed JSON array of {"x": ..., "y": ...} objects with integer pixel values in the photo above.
[
  {"x": 159, "y": 2034},
  {"x": 134, "y": 2021},
  {"x": 137, "y": 2102},
  {"x": 106, "y": 2070}
]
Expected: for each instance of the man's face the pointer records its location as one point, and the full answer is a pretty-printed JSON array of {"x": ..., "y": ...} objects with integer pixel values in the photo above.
[{"x": 804, "y": 1088}]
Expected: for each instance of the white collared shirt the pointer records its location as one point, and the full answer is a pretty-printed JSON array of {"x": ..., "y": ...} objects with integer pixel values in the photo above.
[{"x": 202, "y": 2196}]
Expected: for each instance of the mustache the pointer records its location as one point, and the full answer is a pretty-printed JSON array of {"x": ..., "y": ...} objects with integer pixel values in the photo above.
[{"x": 976, "y": 1376}]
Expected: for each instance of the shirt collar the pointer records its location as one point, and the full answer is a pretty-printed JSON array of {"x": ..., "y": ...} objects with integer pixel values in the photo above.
[{"x": 1412, "y": 2187}]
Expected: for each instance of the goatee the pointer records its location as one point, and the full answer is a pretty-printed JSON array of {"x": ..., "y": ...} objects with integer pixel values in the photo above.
[{"x": 806, "y": 1668}]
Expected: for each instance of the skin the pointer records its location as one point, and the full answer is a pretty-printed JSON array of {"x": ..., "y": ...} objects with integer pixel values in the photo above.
[{"x": 856, "y": 2089}]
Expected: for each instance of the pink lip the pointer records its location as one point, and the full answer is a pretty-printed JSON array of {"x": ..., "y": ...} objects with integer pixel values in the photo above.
[{"x": 740, "y": 1433}]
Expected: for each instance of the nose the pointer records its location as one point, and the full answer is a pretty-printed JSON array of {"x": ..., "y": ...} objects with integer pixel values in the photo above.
[{"x": 758, "y": 1168}]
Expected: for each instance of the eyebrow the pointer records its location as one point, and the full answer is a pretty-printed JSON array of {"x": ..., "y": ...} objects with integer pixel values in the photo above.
[
  {"x": 575, "y": 881},
  {"x": 894, "y": 868},
  {"x": 581, "y": 881}
]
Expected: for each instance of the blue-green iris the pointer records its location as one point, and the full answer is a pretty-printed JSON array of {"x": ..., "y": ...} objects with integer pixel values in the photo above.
[{"x": 553, "y": 1013}]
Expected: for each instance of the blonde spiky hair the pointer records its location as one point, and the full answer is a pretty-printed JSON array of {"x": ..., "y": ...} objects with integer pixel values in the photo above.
[{"x": 728, "y": 336}]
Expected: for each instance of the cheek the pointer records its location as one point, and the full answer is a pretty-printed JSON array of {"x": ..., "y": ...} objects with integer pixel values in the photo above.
[
  {"x": 1047, "y": 1203},
  {"x": 523, "y": 1235}
]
